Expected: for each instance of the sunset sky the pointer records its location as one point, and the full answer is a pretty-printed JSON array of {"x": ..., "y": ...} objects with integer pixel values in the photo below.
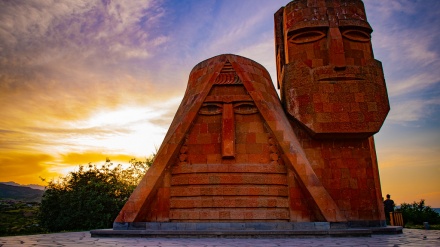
[{"x": 84, "y": 80}]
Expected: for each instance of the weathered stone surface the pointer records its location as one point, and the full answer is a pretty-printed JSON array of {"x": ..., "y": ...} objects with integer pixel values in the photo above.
[
  {"x": 330, "y": 82},
  {"x": 260, "y": 174},
  {"x": 334, "y": 92},
  {"x": 233, "y": 157}
]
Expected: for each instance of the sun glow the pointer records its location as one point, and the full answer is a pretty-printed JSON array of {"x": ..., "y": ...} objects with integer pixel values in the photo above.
[
  {"x": 128, "y": 130},
  {"x": 117, "y": 134}
]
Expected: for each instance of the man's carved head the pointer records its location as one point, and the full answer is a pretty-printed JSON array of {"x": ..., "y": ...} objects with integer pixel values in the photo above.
[{"x": 329, "y": 79}]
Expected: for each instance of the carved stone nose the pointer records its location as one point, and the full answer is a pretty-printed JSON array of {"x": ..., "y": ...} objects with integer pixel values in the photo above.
[
  {"x": 228, "y": 132},
  {"x": 336, "y": 49}
]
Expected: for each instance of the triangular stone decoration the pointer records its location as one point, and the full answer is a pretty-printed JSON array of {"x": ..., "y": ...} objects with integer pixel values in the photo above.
[{"x": 227, "y": 75}]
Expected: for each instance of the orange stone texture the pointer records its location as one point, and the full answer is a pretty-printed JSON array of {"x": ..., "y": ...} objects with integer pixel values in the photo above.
[
  {"x": 236, "y": 153},
  {"x": 329, "y": 80},
  {"x": 230, "y": 155},
  {"x": 334, "y": 92}
]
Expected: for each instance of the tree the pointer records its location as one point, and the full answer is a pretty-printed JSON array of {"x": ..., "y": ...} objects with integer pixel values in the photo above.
[
  {"x": 91, "y": 197},
  {"x": 417, "y": 213},
  {"x": 137, "y": 169}
]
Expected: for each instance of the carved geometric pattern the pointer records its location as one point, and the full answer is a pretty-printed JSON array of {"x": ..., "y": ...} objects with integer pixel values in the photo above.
[
  {"x": 183, "y": 156},
  {"x": 227, "y": 75},
  {"x": 274, "y": 157}
]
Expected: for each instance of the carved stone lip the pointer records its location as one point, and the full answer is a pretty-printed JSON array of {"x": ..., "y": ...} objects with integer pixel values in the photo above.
[
  {"x": 341, "y": 78},
  {"x": 349, "y": 73}
]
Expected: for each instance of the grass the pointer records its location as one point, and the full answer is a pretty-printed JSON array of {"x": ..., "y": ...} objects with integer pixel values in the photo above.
[{"x": 19, "y": 218}]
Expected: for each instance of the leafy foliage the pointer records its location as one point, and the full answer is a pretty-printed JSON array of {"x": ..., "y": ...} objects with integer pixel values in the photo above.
[
  {"x": 417, "y": 213},
  {"x": 91, "y": 197}
]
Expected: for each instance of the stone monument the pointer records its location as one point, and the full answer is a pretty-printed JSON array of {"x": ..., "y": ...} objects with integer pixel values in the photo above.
[
  {"x": 334, "y": 92},
  {"x": 237, "y": 157},
  {"x": 230, "y": 155}
]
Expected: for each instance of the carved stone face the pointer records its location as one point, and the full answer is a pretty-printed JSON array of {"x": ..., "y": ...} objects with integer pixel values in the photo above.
[
  {"x": 228, "y": 153},
  {"x": 225, "y": 102},
  {"x": 229, "y": 128},
  {"x": 330, "y": 81},
  {"x": 318, "y": 38}
]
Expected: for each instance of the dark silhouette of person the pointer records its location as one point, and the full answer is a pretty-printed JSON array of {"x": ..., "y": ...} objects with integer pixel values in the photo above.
[{"x": 389, "y": 207}]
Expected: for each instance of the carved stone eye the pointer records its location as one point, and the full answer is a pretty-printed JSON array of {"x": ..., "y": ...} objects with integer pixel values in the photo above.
[
  {"x": 245, "y": 108},
  {"x": 307, "y": 36},
  {"x": 356, "y": 35},
  {"x": 211, "y": 109}
]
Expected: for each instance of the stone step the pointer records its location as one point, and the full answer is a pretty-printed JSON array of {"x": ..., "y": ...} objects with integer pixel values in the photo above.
[
  {"x": 240, "y": 230},
  {"x": 230, "y": 233}
]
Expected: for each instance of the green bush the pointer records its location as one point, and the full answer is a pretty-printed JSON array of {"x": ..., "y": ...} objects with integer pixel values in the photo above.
[
  {"x": 89, "y": 198},
  {"x": 417, "y": 212}
]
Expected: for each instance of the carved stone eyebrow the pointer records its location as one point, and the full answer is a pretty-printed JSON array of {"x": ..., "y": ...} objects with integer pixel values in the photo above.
[
  {"x": 356, "y": 23},
  {"x": 307, "y": 25},
  {"x": 229, "y": 98}
]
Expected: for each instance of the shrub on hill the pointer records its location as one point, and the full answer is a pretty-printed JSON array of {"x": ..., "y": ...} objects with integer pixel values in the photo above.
[
  {"x": 417, "y": 212},
  {"x": 91, "y": 197}
]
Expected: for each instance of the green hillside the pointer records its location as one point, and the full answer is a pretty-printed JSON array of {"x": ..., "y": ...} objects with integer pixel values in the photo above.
[{"x": 20, "y": 193}]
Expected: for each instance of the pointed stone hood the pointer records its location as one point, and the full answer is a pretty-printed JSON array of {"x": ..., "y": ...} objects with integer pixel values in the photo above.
[{"x": 229, "y": 69}]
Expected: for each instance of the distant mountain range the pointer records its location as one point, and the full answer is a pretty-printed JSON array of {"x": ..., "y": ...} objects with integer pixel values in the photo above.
[
  {"x": 32, "y": 186},
  {"x": 29, "y": 193}
]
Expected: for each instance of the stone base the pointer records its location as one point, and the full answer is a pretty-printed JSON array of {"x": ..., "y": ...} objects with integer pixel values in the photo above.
[
  {"x": 239, "y": 230},
  {"x": 387, "y": 230}
]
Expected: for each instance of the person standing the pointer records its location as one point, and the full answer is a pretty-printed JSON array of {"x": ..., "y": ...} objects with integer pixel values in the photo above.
[{"x": 389, "y": 207}]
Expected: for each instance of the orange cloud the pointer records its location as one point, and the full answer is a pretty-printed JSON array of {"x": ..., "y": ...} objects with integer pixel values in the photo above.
[
  {"x": 29, "y": 168},
  {"x": 25, "y": 168},
  {"x": 94, "y": 157}
]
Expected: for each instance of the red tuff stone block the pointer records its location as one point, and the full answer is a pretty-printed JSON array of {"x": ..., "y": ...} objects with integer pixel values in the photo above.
[
  {"x": 204, "y": 139},
  {"x": 210, "y": 149},
  {"x": 251, "y": 138},
  {"x": 254, "y": 148},
  {"x": 203, "y": 128},
  {"x": 224, "y": 215},
  {"x": 213, "y": 158},
  {"x": 197, "y": 158}
]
